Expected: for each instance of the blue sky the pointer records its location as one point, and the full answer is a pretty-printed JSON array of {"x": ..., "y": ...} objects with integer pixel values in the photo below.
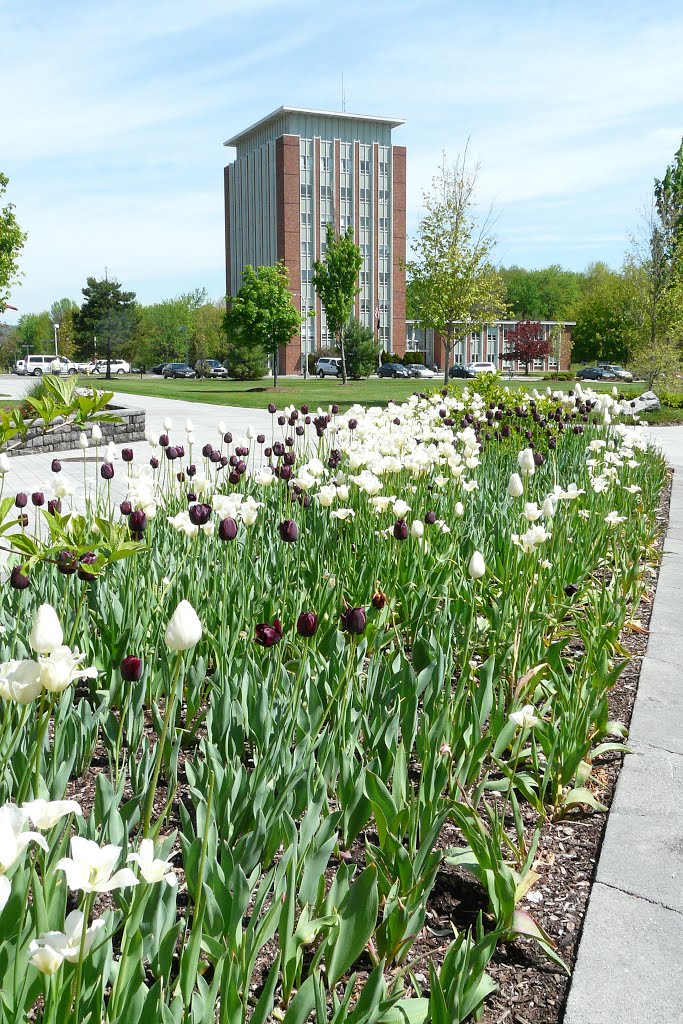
[{"x": 114, "y": 116}]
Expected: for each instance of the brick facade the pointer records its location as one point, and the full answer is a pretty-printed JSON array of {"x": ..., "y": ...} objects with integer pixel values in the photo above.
[
  {"x": 287, "y": 192},
  {"x": 398, "y": 270}
]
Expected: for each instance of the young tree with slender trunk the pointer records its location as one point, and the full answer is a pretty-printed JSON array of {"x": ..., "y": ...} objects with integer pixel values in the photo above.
[
  {"x": 457, "y": 288},
  {"x": 526, "y": 342},
  {"x": 12, "y": 240},
  {"x": 335, "y": 279}
]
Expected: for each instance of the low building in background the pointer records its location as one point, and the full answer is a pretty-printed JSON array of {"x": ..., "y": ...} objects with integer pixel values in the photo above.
[
  {"x": 490, "y": 345},
  {"x": 295, "y": 171}
]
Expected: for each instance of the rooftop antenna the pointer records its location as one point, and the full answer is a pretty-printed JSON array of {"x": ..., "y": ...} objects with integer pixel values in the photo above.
[{"x": 343, "y": 96}]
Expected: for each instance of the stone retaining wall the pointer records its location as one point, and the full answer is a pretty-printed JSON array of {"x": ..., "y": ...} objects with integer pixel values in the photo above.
[{"x": 65, "y": 437}]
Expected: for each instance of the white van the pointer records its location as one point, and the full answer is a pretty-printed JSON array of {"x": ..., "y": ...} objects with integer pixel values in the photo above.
[
  {"x": 36, "y": 366},
  {"x": 328, "y": 367}
]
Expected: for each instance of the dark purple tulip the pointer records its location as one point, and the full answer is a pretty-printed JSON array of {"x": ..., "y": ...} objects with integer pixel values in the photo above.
[
  {"x": 268, "y": 636},
  {"x": 571, "y": 589},
  {"x": 379, "y": 599},
  {"x": 137, "y": 522},
  {"x": 224, "y": 461},
  {"x": 21, "y": 500},
  {"x": 286, "y": 472},
  {"x": 289, "y": 458},
  {"x": 335, "y": 409},
  {"x": 281, "y": 421},
  {"x": 18, "y": 580},
  {"x": 267, "y": 452},
  {"x": 241, "y": 467},
  {"x": 215, "y": 457},
  {"x": 227, "y": 437},
  {"x": 299, "y": 430},
  {"x": 289, "y": 441},
  {"x": 180, "y": 451},
  {"x": 154, "y": 463},
  {"x": 54, "y": 506},
  {"x": 67, "y": 563},
  {"x": 272, "y": 408},
  {"x": 304, "y": 410},
  {"x": 180, "y": 477},
  {"x": 305, "y": 500},
  {"x": 56, "y": 466},
  {"x": 261, "y": 438},
  {"x": 278, "y": 449},
  {"x": 227, "y": 529},
  {"x": 207, "y": 449},
  {"x": 89, "y": 558},
  {"x": 538, "y": 459},
  {"x": 401, "y": 529},
  {"x": 199, "y": 514},
  {"x": 307, "y": 624},
  {"x": 126, "y": 508},
  {"x": 131, "y": 668},
  {"x": 191, "y": 496},
  {"x": 171, "y": 453},
  {"x": 354, "y": 621},
  {"x": 22, "y": 519},
  {"x": 353, "y": 424},
  {"x": 233, "y": 460},
  {"x": 289, "y": 531},
  {"x": 163, "y": 440},
  {"x": 127, "y": 454},
  {"x": 191, "y": 470},
  {"x": 430, "y": 518},
  {"x": 107, "y": 471},
  {"x": 234, "y": 477},
  {"x": 38, "y": 498}
]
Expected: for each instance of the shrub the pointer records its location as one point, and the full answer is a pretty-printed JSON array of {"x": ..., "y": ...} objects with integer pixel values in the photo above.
[
  {"x": 360, "y": 349},
  {"x": 674, "y": 399}
]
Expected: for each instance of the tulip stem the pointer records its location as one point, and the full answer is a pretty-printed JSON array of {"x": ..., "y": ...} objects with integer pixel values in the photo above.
[
  {"x": 79, "y": 967},
  {"x": 170, "y": 707}
]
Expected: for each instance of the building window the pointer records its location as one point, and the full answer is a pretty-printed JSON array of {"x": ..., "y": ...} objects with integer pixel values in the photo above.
[
  {"x": 306, "y": 191},
  {"x": 365, "y": 167},
  {"x": 346, "y": 194}
]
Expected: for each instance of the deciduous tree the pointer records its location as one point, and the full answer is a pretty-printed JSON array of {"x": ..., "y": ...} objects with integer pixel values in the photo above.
[
  {"x": 335, "y": 279},
  {"x": 456, "y": 286},
  {"x": 262, "y": 314},
  {"x": 526, "y": 342},
  {"x": 12, "y": 240}
]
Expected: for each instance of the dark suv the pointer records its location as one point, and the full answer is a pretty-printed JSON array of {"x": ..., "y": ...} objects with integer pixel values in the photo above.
[{"x": 178, "y": 370}]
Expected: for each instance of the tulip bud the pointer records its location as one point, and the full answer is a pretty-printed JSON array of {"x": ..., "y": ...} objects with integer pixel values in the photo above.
[
  {"x": 379, "y": 599},
  {"x": 538, "y": 459},
  {"x": 154, "y": 463},
  {"x": 131, "y": 668},
  {"x": 400, "y": 529},
  {"x": 307, "y": 624},
  {"x": 289, "y": 531},
  {"x": 354, "y": 621},
  {"x": 66, "y": 563},
  {"x": 163, "y": 440},
  {"x": 571, "y": 589},
  {"x": 107, "y": 471},
  {"x": 515, "y": 486},
  {"x": 227, "y": 437},
  {"x": 21, "y": 500},
  {"x": 430, "y": 518},
  {"x": 126, "y": 508},
  {"x": 272, "y": 408},
  {"x": 281, "y": 421},
  {"x": 184, "y": 629},
  {"x": 261, "y": 438},
  {"x": 22, "y": 519},
  {"x": 477, "y": 566},
  {"x": 46, "y": 633},
  {"x": 335, "y": 409},
  {"x": 96, "y": 433},
  {"x": 18, "y": 580},
  {"x": 215, "y": 456},
  {"x": 127, "y": 454},
  {"x": 227, "y": 529},
  {"x": 38, "y": 498},
  {"x": 54, "y": 506},
  {"x": 56, "y": 466},
  {"x": 137, "y": 522},
  {"x": 171, "y": 453},
  {"x": 417, "y": 528}
]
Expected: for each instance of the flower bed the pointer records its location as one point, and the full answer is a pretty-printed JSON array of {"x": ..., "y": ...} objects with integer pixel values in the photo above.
[{"x": 299, "y": 686}]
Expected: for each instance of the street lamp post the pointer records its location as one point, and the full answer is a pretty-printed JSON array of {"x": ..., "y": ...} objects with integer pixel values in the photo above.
[{"x": 56, "y": 326}]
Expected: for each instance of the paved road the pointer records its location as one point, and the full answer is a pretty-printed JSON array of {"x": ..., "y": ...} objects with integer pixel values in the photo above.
[{"x": 629, "y": 965}]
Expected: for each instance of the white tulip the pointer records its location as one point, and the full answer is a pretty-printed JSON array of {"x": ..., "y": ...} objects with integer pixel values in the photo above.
[
  {"x": 13, "y": 842},
  {"x": 532, "y": 512},
  {"x": 417, "y": 528},
  {"x": 4, "y": 464},
  {"x": 168, "y": 423},
  {"x": 548, "y": 507},
  {"x": 46, "y": 633},
  {"x": 400, "y": 508},
  {"x": 61, "y": 668},
  {"x": 525, "y": 718},
  {"x": 50, "y": 949},
  {"x": 184, "y": 629},
  {"x": 153, "y": 869},
  {"x": 90, "y": 867},
  {"x": 515, "y": 486},
  {"x": 477, "y": 566},
  {"x": 526, "y": 462},
  {"x": 96, "y": 433},
  {"x": 83, "y": 440},
  {"x": 46, "y": 813},
  {"x": 459, "y": 509},
  {"x": 20, "y": 681},
  {"x": 189, "y": 426},
  {"x": 342, "y": 513},
  {"x": 44, "y": 958}
]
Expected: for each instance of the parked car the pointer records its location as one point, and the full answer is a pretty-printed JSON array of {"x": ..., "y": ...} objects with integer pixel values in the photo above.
[
  {"x": 419, "y": 370},
  {"x": 458, "y": 370},
  {"x": 619, "y": 372},
  {"x": 178, "y": 370},
  {"x": 594, "y": 373},
  {"x": 482, "y": 367},
  {"x": 328, "y": 366},
  {"x": 36, "y": 365},
  {"x": 116, "y": 365},
  {"x": 393, "y": 370},
  {"x": 159, "y": 368},
  {"x": 210, "y": 368}
]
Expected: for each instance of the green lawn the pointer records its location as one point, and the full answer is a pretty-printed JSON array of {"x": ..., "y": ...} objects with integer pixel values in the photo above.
[{"x": 313, "y": 392}]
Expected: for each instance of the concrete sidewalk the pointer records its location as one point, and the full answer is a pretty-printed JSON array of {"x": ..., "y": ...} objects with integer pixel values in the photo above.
[{"x": 630, "y": 965}]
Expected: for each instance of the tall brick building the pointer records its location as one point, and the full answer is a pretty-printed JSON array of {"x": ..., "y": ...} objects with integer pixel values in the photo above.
[{"x": 297, "y": 170}]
